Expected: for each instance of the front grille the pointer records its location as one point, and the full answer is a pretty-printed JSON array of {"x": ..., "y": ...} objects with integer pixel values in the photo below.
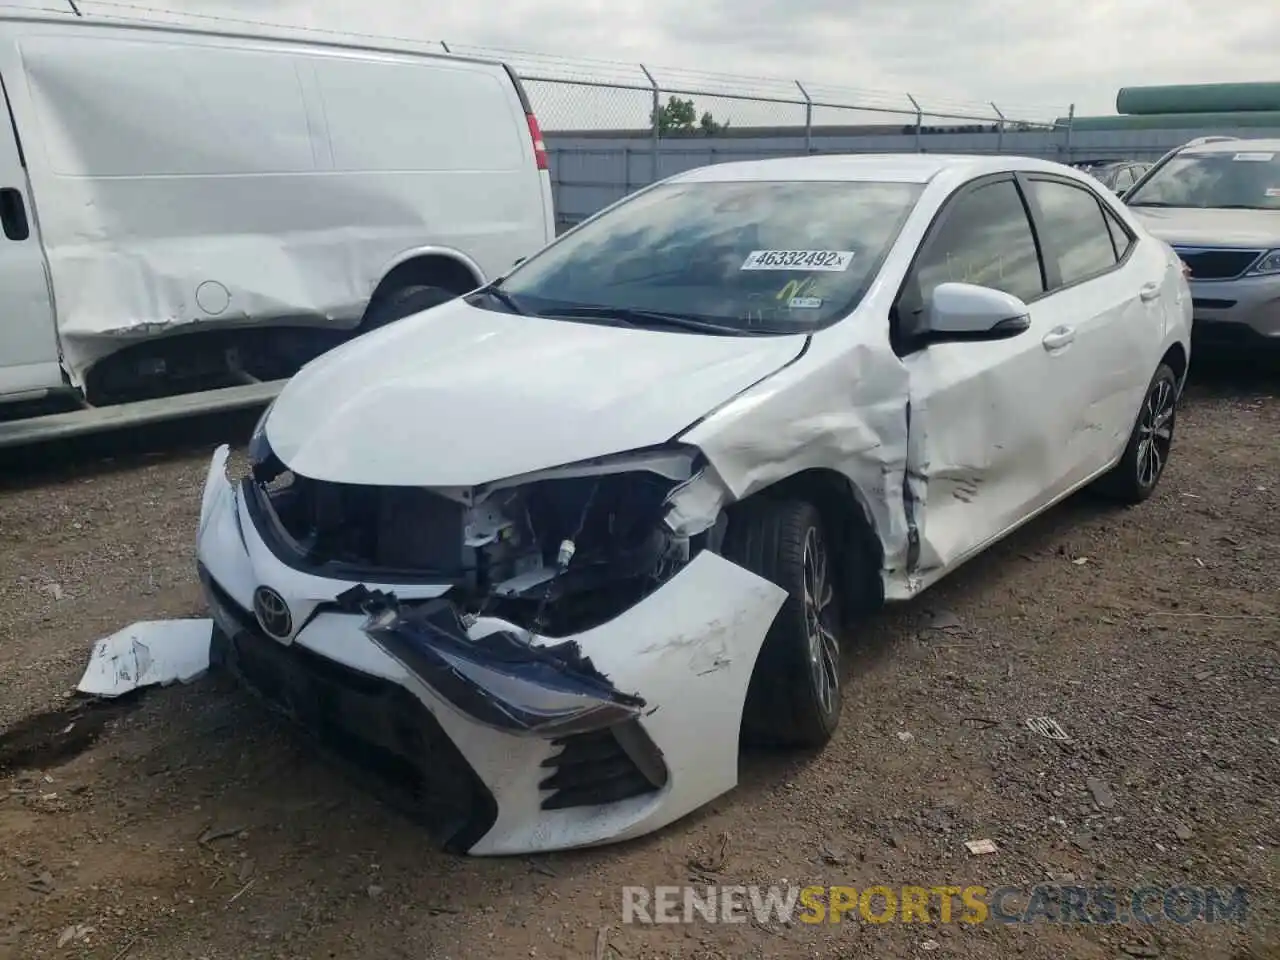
[
  {"x": 371, "y": 725},
  {"x": 404, "y": 529},
  {"x": 1217, "y": 264},
  {"x": 595, "y": 768}
]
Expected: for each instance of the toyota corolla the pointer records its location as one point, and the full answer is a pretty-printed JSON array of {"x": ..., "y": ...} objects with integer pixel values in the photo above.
[{"x": 544, "y": 555}]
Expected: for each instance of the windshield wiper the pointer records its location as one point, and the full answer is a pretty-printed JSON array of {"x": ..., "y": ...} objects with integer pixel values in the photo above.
[
  {"x": 645, "y": 318},
  {"x": 504, "y": 298},
  {"x": 1154, "y": 203}
]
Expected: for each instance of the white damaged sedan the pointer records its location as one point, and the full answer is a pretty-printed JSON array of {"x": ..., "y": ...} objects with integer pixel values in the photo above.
[{"x": 541, "y": 556}]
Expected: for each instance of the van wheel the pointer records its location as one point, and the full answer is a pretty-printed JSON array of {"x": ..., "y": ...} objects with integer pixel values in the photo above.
[
  {"x": 794, "y": 696},
  {"x": 403, "y": 302},
  {"x": 1135, "y": 477}
]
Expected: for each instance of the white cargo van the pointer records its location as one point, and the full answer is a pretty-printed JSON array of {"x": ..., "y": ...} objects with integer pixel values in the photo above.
[{"x": 188, "y": 216}]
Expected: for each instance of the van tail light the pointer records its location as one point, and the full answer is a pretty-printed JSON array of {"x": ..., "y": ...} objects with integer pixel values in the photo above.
[{"x": 539, "y": 147}]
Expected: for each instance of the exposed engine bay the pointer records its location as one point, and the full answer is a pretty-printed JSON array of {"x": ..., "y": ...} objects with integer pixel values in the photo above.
[{"x": 557, "y": 554}]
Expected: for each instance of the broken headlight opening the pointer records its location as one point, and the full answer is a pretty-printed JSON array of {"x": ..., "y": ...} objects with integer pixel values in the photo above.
[
  {"x": 499, "y": 679},
  {"x": 556, "y": 553}
]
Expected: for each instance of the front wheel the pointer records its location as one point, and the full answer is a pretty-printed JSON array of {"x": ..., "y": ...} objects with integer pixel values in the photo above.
[
  {"x": 794, "y": 695},
  {"x": 1135, "y": 477}
]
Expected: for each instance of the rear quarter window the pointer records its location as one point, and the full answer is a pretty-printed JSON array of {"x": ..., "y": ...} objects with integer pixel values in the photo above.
[{"x": 1121, "y": 239}]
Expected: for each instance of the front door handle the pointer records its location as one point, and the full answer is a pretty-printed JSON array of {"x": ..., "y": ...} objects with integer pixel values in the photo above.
[
  {"x": 1058, "y": 337},
  {"x": 13, "y": 214},
  {"x": 1150, "y": 291}
]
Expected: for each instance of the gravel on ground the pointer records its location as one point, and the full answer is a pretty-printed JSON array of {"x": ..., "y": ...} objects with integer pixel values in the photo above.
[{"x": 193, "y": 824}]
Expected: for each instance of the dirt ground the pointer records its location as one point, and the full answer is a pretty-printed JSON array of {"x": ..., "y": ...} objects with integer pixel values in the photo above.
[{"x": 193, "y": 824}]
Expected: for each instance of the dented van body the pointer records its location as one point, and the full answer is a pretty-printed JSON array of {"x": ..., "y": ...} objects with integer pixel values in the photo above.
[
  {"x": 190, "y": 216},
  {"x": 558, "y": 554}
]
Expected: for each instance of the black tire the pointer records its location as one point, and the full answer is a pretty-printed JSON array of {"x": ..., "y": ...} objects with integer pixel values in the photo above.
[
  {"x": 1138, "y": 473},
  {"x": 788, "y": 703},
  {"x": 403, "y": 302}
]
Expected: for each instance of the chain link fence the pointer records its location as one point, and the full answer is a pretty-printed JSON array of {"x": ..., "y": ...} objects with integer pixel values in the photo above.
[{"x": 612, "y": 128}]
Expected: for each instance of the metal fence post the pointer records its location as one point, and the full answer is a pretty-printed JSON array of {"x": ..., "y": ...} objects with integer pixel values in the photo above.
[
  {"x": 655, "y": 122},
  {"x": 1071, "y": 122},
  {"x": 919, "y": 123},
  {"x": 1000, "y": 135},
  {"x": 808, "y": 119}
]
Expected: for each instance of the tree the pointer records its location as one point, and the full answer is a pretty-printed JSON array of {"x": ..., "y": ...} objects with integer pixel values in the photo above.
[
  {"x": 710, "y": 127},
  {"x": 679, "y": 118}
]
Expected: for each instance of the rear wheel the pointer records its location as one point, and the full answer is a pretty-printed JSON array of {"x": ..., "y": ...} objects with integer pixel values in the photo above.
[
  {"x": 403, "y": 302},
  {"x": 794, "y": 697},
  {"x": 1135, "y": 477}
]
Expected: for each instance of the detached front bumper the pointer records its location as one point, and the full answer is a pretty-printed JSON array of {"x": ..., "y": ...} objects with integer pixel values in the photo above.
[{"x": 506, "y": 748}]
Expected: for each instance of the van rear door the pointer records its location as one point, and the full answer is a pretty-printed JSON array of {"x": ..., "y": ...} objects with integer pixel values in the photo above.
[
  {"x": 28, "y": 339},
  {"x": 541, "y": 155}
]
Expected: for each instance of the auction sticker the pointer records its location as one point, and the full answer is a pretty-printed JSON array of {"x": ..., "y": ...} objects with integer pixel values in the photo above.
[
  {"x": 804, "y": 303},
  {"x": 1254, "y": 157},
  {"x": 831, "y": 261}
]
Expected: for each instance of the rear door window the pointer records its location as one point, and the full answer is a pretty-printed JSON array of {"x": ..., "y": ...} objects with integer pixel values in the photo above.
[{"x": 1074, "y": 230}]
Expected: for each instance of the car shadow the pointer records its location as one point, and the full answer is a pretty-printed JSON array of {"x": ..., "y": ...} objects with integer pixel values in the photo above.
[
  {"x": 210, "y": 762},
  {"x": 1221, "y": 373},
  {"x": 884, "y": 635}
]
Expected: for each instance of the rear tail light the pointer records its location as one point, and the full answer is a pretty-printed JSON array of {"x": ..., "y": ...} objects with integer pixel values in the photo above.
[{"x": 539, "y": 148}]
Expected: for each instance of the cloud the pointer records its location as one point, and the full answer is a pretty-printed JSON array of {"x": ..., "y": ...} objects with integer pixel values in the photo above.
[{"x": 1032, "y": 58}]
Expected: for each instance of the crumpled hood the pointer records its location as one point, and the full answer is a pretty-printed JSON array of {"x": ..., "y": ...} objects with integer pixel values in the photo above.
[
  {"x": 458, "y": 396},
  {"x": 1212, "y": 228}
]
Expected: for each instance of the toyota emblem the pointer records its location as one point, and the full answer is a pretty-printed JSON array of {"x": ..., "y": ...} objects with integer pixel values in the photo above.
[{"x": 272, "y": 614}]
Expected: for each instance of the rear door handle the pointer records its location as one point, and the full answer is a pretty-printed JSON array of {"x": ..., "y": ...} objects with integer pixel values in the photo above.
[
  {"x": 1150, "y": 291},
  {"x": 1058, "y": 337},
  {"x": 13, "y": 214}
]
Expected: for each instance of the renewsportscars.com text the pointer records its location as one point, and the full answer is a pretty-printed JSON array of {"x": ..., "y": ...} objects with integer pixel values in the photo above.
[{"x": 1042, "y": 903}]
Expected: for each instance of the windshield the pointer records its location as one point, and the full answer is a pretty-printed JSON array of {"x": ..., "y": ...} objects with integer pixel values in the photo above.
[
  {"x": 735, "y": 258},
  {"x": 1244, "y": 180}
]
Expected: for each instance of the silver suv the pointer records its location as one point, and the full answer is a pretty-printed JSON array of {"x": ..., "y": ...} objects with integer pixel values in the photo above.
[{"x": 1216, "y": 201}]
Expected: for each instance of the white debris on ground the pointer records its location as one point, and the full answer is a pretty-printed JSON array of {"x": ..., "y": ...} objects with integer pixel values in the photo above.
[{"x": 148, "y": 653}]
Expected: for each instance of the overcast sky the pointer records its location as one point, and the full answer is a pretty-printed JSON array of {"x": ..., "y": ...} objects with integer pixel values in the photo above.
[{"x": 1026, "y": 55}]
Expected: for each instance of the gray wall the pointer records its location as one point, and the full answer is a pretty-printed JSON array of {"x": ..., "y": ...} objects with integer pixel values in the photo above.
[{"x": 589, "y": 173}]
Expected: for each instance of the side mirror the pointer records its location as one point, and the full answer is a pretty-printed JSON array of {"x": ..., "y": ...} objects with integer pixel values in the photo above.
[{"x": 963, "y": 311}]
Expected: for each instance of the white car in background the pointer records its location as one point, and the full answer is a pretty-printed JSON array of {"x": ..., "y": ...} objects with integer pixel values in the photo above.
[{"x": 551, "y": 548}]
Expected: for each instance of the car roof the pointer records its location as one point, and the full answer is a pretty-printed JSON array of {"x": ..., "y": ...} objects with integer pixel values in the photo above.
[
  {"x": 868, "y": 167},
  {"x": 1235, "y": 146}
]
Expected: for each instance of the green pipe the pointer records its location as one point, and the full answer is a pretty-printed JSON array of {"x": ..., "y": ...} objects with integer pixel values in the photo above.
[{"x": 1198, "y": 98}]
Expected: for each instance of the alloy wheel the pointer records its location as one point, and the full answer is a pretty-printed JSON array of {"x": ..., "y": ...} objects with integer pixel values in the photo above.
[
  {"x": 819, "y": 610},
  {"x": 1155, "y": 432}
]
